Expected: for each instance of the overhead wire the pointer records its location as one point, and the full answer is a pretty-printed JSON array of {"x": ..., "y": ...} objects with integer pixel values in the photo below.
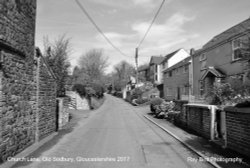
[
  {"x": 152, "y": 22},
  {"x": 98, "y": 28}
]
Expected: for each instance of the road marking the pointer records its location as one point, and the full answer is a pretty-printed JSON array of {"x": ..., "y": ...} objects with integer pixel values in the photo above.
[{"x": 184, "y": 143}]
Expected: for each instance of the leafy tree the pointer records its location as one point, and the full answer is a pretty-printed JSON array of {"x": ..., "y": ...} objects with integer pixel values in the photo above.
[
  {"x": 57, "y": 54},
  {"x": 122, "y": 72},
  {"x": 91, "y": 72},
  {"x": 92, "y": 67}
]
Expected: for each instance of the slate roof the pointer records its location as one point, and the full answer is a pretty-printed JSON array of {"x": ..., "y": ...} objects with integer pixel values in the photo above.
[
  {"x": 143, "y": 68},
  {"x": 156, "y": 60},
  {"x": 240, "y": 28}
]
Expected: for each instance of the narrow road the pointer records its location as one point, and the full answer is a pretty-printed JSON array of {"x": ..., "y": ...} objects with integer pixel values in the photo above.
[{"x": 116, "y": 136}]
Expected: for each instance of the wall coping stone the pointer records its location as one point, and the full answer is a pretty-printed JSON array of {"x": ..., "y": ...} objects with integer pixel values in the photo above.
[
  {"x": 237, "y": 110},
  {"x": 200, "y": 105}
]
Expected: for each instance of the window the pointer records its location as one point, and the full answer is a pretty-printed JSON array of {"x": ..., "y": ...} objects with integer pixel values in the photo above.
[
  {"x": 203, "y": 57},
  {"x": 203, "y": 64},
  {"x": 202, "y": 88},
  {"x": 238, "y": 47},
  {"x": 177, "y": 71},
  {"x": 203, "y": 61},
  {"x": 185, "y": 68},
  {"x": 167, "y": 74},
  {"x": 170, "y": 73},
  {"x": 156, "y": 68}
]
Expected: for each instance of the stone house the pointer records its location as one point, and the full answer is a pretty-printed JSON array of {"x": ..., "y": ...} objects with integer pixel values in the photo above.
[
  {"x": 27, "y": 85},
  {"x": 220, "y": 60},
  {"x": 176, "y": 81}
]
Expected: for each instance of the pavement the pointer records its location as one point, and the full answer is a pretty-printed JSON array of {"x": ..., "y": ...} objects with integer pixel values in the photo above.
[
  {"x": 114, "y": 136},
  {"x": 203, "y": 147}
]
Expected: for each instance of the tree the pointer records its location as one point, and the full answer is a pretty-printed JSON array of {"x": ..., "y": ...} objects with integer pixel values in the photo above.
[
  {"x": 122, "y": 72},
  {"x": 57, "y": 54},
  {"x": 92, "y": 67}
]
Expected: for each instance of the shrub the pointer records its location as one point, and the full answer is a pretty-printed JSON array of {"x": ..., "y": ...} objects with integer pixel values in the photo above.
[
  {"x": 136, "y": 94},
  {"x": 80, "y": 89},
  {"x": 98, "y": 90},
  {"x": 118, "y": 94},
  {"x": 173, "y": 116},
  {"x": 154, "y": 103},
  {"x": 141, "y": 101}
]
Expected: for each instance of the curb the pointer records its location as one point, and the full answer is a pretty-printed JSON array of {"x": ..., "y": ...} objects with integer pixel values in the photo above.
[
  {"x": 184, "y": 143},
  {"x": 28, "y": 150}
]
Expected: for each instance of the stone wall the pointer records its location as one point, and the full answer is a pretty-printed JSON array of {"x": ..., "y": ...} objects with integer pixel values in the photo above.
[
  {"x": 17, "y": 88},
  {"x": 238, "y": 129},
  {"x": 46, "y": 100}
]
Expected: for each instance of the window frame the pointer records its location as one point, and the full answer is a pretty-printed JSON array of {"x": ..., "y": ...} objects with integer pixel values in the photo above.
[{"x": 234, "y": 48}]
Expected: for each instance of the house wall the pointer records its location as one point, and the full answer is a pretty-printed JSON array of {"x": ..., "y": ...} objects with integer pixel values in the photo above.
[
  {"x": 238, "y": 129},
  {"x": 219, "y": 57},
  {"x": 17, "y": 89},
  {"x": 159, "y": 74},
  {"x": 177, "y": 80}
]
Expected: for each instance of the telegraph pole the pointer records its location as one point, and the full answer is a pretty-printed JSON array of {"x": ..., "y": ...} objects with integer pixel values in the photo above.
[{"x": 136, "y": 63}]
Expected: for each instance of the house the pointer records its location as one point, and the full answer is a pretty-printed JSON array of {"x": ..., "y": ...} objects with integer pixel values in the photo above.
[
  {"x": 176, "y": 81},
  {"x": 170, "y": 60},
  {"x": 220, "y": 60},
  {"x": 143, "y": 73},
  {"x": 173, "y": 58},
  {"x": 155, "y": 71}
]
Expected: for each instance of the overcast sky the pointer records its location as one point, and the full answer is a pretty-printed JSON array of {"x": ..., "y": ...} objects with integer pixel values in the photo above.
[{"x": 180, "y": 24}]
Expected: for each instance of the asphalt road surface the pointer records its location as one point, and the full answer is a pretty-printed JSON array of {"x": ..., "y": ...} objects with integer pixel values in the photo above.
[{"x": 116, "y": 136}]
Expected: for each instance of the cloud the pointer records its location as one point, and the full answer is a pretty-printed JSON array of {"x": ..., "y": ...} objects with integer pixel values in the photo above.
[
  {"x": 149, "y": 3},
  {"x": 162, "y": 39},
  {"x": 145, "y": 3},
  {"x": 166, "y": 35}
]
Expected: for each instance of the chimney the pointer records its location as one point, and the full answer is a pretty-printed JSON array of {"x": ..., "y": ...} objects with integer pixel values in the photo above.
[{"x": 192, "y": 51}]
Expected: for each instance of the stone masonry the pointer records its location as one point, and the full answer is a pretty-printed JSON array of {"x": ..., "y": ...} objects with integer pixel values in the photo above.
[
  {"x": 46, "y": 98},
  {"x": 27, "y": 85},
  {"x": 17, "y": 96}
]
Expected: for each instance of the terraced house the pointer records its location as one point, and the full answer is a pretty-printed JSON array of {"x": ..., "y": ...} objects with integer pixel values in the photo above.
[{"x": 221, "y": 60}]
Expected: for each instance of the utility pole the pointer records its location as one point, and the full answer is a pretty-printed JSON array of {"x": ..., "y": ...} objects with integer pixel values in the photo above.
[{"x": 136, "y": 63}]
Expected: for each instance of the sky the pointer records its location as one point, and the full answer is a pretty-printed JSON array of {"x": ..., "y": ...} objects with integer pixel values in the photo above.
[{"x": 180, "y": 24}]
